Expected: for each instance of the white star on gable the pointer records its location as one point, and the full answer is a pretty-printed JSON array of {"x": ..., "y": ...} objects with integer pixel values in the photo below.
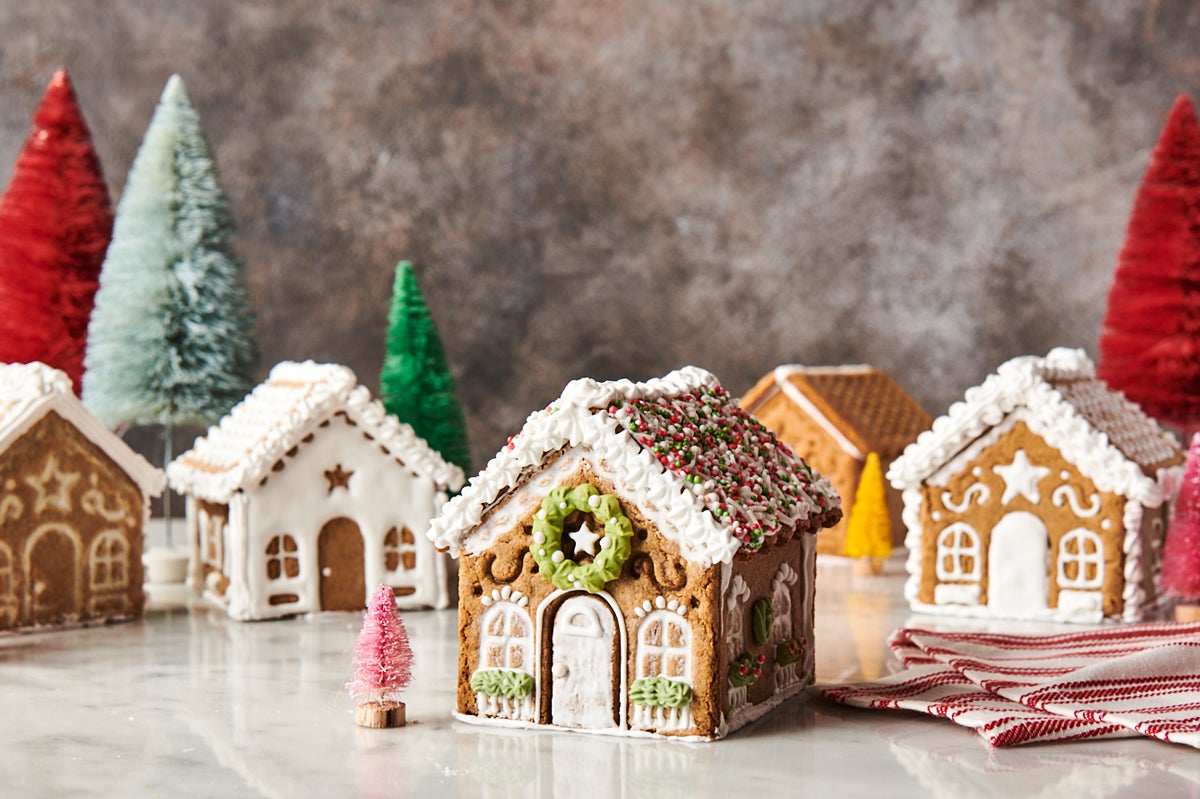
[
  {"x": 1021, "y": 478},
  {"x": 585, "y": 540},
  {"x": 60, "y": 496}
]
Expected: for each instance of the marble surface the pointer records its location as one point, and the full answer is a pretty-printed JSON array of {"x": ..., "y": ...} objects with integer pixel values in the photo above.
[{"x": 189, "y": 703}]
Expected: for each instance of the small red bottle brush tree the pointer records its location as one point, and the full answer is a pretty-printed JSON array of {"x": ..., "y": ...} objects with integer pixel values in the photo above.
[
  {"x": 1180, "y": 572},
  {"x": 382, "y": 663},
  {"x": 56, "y": 220},
  {"x": 1150, "y": 339}
]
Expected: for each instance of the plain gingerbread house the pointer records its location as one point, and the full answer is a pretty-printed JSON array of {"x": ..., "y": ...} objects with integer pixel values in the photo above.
[
  {"x": 640, "y": 560},
  {"x": 833, "y": 417},
  {"x": 307, "y": 495},
  {"x": 1043, "y": 495},
  {"x": 74, "y": 507}
]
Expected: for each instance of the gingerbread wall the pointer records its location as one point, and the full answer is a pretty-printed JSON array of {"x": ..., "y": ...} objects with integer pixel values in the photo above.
[
  {"x": 654, "y": 569},
  {"x": 979, "y": 496},
  {"x": 70, "y": 531}
]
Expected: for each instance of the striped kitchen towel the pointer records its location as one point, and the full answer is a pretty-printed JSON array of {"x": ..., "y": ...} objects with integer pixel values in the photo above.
[{"x": 1016, "y": 689}]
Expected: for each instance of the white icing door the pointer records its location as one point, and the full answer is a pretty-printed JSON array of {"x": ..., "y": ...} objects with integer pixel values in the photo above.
[
  {"x": 1018, "y": 565},
  {"x": 584, "y": 659}
]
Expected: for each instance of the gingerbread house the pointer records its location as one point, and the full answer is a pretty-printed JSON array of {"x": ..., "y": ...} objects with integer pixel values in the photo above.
[
  {"x": 1043, "y": 495},
  {"x": 638, "y": 560},
  {"x": 307, "y": 495},
  {"x": 833, "y": 417},
  {"x": 73, "y": 510}
]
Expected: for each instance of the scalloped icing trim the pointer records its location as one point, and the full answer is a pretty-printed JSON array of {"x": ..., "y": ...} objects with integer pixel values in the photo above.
[
  {"x": 1023, "y": 382},
  {"x": 571, "y": 422},
  {"x": 293, "y": 401}
]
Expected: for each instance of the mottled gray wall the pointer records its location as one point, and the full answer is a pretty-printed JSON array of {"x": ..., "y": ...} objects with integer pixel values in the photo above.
[{"x": 620, "y": 188}]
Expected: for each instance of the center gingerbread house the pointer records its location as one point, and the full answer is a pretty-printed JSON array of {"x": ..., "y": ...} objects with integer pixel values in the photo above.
[{"x": 639, "y": 559}]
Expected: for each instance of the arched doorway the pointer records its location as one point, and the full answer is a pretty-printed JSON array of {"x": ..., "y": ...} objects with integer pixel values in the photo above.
[
  {"x": 585, "y": 657},
  {"x": 340, "y": 559},
  {"x": 1018, "y": 565},
  {"x": 53, "y": 587}
]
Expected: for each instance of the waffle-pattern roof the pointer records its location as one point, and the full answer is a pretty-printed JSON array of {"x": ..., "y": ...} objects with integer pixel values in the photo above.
[
  {"x": 28, "y": 391},
  {"x": 278, "y": 414},
  {"x": 681, "y": 445},
  {"x": 1108, "y": 437},
  {"x": 862, "y": 407}
]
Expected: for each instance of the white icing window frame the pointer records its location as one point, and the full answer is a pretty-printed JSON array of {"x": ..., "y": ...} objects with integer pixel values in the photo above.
[
  {"x": 647, "y": 651},
  {"x": 116, "y": 554},
  {"x": 955, "y": 543},
  {"x": 8, "y": 583},
  {"x": 1082, "y": 560},
  {"x": 212, "y": 537},
  {"x": 281, "y": 555},
  {"x": 506, "y": 641},
  {"x": 400, "y": 548}
]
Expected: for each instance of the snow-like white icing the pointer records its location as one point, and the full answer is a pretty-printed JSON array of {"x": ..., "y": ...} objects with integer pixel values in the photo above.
[
  {"x": 278, "y": 414},
  {"x": 1049, "y": 389},
  {"x": 29, "y": 391},
  {"x": 618, "y": 421}
]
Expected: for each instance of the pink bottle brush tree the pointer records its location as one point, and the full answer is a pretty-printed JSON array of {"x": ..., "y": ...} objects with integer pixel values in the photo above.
[
  {"x": 382, "y": 663},
  {"x": 1180, "y": 573}
]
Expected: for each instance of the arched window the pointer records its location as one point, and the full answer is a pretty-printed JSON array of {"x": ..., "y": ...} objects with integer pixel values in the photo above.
[
  {"x": 7, "y": 584},
  {"x": 506, "y": 638},
  {"x": 399, "y": 549},
  {"x": 781, "y": 602},
  {"x": 1081, "y": 560},
  {"x": 109, "y": 561},
  {"x": 958, "y": 553},
  {"x": 665, "y": 647},
  {"x": 283, "y": 558}
]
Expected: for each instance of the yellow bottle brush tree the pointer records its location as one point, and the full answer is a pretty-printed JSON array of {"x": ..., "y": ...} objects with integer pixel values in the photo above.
[{"x": 869, "y": 530}]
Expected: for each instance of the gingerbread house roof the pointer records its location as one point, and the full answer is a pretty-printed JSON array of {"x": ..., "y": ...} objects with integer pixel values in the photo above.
[
  {"x": 681, "y": 446},
  {"x": 29, "y": 391},
  {"x": 278, "y": 415},
  {"x": 860, "y": 406},
  {"x": 1107, "y": 437}
]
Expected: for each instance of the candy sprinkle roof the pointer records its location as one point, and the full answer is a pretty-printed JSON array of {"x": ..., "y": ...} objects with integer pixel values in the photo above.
[{"x": 681, "y": 444}]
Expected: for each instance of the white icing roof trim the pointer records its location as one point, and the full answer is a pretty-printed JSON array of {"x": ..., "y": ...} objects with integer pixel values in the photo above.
[
  {"x": 1029, "y": 382},
  {"x": 782, "y": 375},
  {"x": 28, "y": 391},
  {"x": 569, "y": 422},
  {"x": 278, "y": 414}
]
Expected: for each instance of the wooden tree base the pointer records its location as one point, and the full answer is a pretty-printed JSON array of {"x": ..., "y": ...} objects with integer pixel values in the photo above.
[
  {"x": 1187, "y": 612},
  {"x": 379, "y": 715}
]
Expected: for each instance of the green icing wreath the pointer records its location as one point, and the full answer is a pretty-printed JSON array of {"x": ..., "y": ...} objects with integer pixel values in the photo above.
[{"x": 615, "y": 547}]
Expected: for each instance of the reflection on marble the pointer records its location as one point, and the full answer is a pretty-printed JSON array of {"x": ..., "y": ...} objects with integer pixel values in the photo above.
[{"x": 191, "y": 703}]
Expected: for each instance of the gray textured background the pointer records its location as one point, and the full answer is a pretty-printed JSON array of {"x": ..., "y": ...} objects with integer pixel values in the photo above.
[{"x": 619, "y": 188}]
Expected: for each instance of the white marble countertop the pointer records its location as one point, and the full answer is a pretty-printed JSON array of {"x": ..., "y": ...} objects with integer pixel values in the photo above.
[{"x": 189, "y": 703}]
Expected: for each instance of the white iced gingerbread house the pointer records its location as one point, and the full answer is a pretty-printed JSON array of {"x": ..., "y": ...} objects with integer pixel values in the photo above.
[
  {"x": 638, "y": 560},
  {"x": 308, "y": 495},
  {"x": 1043, "y": 495},
  {"x": 74, "y": 500}
]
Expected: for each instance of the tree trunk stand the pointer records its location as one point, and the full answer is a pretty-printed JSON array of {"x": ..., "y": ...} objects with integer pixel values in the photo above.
[
  {"x": 1187, "y": 612},
  {"x": 379, "y": 715}
]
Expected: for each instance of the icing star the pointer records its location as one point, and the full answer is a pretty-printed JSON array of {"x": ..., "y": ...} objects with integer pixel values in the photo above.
[
  {"x": 63, "y": 482},
  {"x": 585, "y": 540},
  {"x": 1021, "y": 477},
  {"x": 338, "y": 478}
]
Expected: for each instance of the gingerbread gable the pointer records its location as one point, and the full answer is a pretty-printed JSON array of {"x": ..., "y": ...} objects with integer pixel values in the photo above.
[
  {"x": 280, "y": 415},
  {"x": 861, "y": 407},
  {"x": 717, "y": 482},
  {"x": 28, "y": 392},
  {"x": 1109, "y": 438}
]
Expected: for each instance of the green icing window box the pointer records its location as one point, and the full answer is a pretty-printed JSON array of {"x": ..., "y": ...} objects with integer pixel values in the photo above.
[
  {"x": 502, "y": 682},
  {"x": 660, "y": 692},
  {"x": 789, "y": 651}
]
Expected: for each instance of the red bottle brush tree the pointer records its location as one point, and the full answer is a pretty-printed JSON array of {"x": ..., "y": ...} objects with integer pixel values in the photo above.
[
  {"x": 55, "y": 224},
  {"x": 1180, "y": 572},
  {"x": 382, "y": 663}
]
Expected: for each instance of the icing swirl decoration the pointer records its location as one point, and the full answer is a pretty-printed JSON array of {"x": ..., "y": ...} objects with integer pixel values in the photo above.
[{"x": 615, "y": 546}]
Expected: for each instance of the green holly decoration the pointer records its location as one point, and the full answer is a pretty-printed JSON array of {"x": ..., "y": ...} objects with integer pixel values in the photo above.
[
  {"x": 416, "y": 384},
  {"x": 762, "y": 617},
  {"x": 788, "y": 652},
  {"x": 745, "y": 669}
]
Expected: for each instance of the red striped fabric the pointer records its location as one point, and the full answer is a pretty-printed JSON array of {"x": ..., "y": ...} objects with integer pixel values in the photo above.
[{"x": 1013, "y": 689}]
